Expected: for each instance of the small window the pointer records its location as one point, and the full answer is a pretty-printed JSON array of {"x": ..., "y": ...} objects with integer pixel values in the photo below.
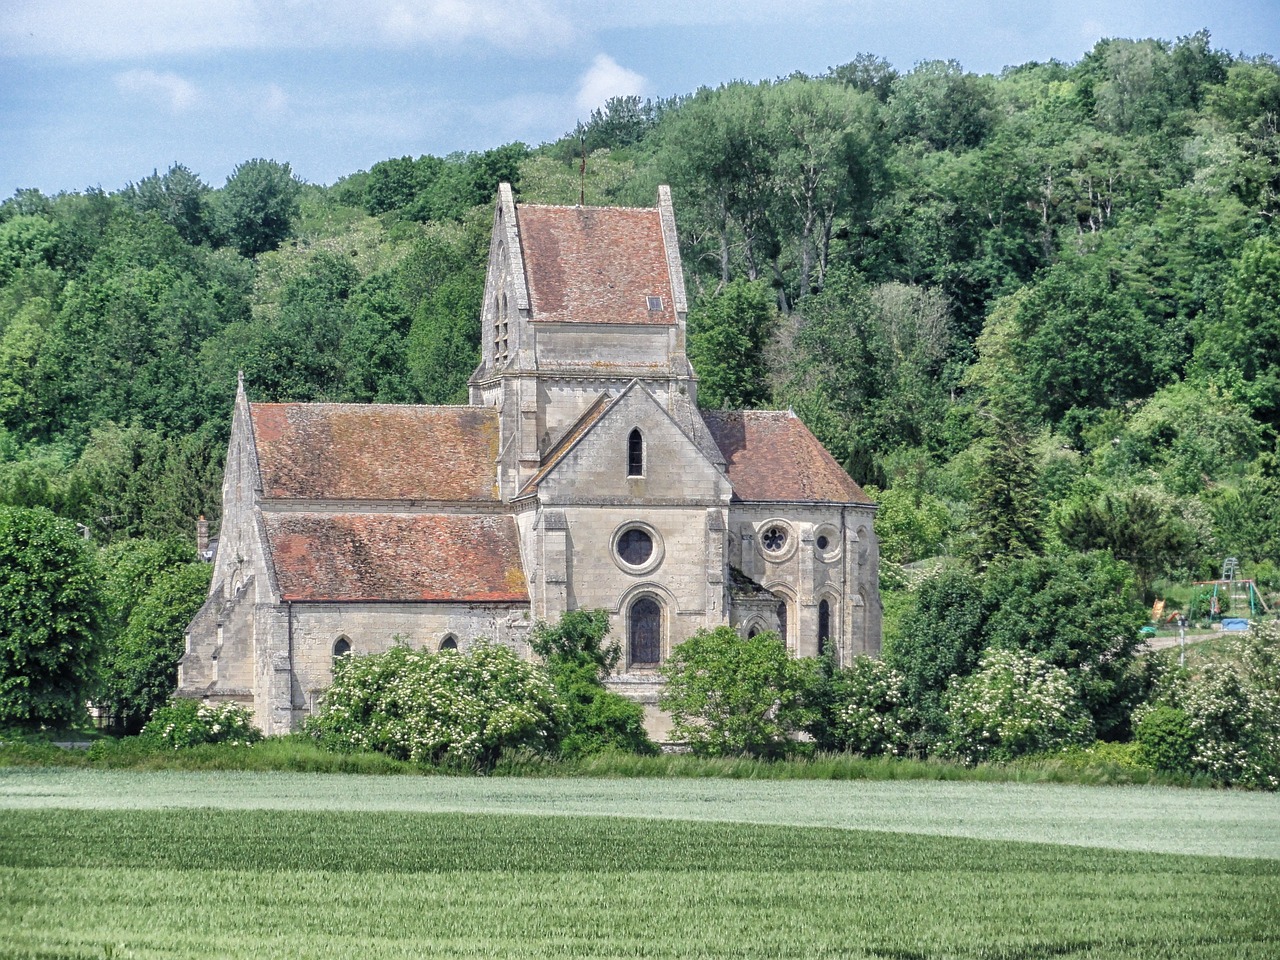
[
  {"x": 774, "y": 539},
  {"x": 822, "y": 542},
  {"x": 782, "y": 622},
  {"x": 655, "y": 304},
  {"x": 824, "y": 626},
  {"x": 449, "y": 643},
  {"x": 635, "y": 455},
  {"x": 341, "y": 648}
]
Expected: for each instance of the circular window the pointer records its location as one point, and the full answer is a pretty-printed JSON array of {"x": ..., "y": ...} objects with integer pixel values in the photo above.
[
  {"x": 635, "y": 547},
  {"x": 774, "y": 539},
  {"x": 826, "y": 543}
]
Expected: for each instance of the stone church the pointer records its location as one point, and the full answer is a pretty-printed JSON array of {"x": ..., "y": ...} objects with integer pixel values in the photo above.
[{"x": 581, "y": 475}]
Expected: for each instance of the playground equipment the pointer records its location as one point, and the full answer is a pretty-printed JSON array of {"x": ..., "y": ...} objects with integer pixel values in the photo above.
[{"x": 1237, "y": 590}]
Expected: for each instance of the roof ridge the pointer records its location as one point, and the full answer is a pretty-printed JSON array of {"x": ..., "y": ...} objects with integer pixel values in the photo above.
[{"x": 587, "y": 206}]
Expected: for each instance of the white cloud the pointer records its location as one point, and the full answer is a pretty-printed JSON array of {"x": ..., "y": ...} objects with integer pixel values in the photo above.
[
  {"x": 604, "y": 79},
  {"x": 120, "y": 29},
  {"x": 167, "y": 89}
]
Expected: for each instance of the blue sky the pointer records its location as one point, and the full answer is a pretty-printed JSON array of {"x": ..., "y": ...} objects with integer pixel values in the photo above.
[{"x": 102, "y": 92}]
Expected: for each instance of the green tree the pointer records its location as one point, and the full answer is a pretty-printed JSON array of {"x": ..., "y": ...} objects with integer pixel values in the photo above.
[
  {"x": 458, "y": 710},
  {"x": 579, "y": 660},
  {"x": 730, "y": 696},
  {"x": 728, "y": 331},
  {"x": 1132, "y": 525},
  {"x": 258, "y": 206},
  {"x": 1078, "y": 613},
  {"x": 1247, "y": 336},
  {"x": 50, "y": 619},
  {"x": 179, "y": 198},
  {"x": 941, "y": 638},
  {"x": 140, "y": 666}
]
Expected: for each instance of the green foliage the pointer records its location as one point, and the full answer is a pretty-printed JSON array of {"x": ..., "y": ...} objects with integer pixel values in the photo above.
[
  {"x": 862, "y": 708},
  {"x": 188, "y": 723},
  {"x": 940, "y": 639},
  {"x": 578, "y": 660},
  {"x": 1164, "y": 738},
  {"x": 1015, "y": 704},
  {"x": 140, "y": 664},
  {"x": 179, "y": 198},
  {"x": 1078, "y": 613},
  {"x": 50, "y": 619},
  {"x": 1132, "y": 526},
  {"x": 1247, "y": 335},
  {"x": 450, "y": 709},
  {"x": 727, "y": 695},
  {"x": 728, "y": 331},
  {"x": 258, "y": 205},
  {"x": 911, "y": 523}
]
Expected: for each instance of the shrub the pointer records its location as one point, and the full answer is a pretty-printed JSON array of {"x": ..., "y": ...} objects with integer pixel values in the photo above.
[
  {"x": 50, "y": 619},
  {"x": 1164, "y": 738},
  {"x": 862, "y": 709},
  {"x": 727, "y": 695},
  {"x": 578, "y": 660},
  {"x": 188, "y": 723},
  {"x": 1015, "y": 704},
  {"x": 452, "y": 709},
  {"x": 1236, "y": 728}
]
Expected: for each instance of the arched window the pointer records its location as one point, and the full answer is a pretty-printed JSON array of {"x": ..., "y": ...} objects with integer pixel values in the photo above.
[
  {"x": 782, "y": 621},
  {"x": 824, "y": 626},
  {"x": 450, "y": 642},
  {"x": 646, "y": 632},
  {"x": 341, "y": 648},
  {"x": 635, "y": 455}
]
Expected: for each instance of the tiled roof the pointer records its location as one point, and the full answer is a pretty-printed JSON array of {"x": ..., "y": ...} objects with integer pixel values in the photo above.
[
  {"x": 595, "y": 264},
  {"x": 771, "y": 455},
  {"x": 404, "y": 557},
  {"x": 342, "y": 451}
]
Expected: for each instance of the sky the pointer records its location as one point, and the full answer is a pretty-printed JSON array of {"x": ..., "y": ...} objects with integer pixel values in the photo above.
[{"x": 99, "y": 93}]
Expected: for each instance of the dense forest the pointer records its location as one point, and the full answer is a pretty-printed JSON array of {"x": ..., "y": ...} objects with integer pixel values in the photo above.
[{"x": 1036, "y": 313}]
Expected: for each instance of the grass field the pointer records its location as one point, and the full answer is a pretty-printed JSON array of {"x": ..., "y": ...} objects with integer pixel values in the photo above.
[{"x": 97, "y": 864}]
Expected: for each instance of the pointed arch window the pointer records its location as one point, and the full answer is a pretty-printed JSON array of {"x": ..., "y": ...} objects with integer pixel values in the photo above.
[
  {"x": 645, "y": 633},
  {"x": 341, "y": 648},
  {"x": 635, "y": 454},
  {"x": 782, "y": 621},
  {"x": 450, "y": 642},
  {"x": 824, "y": 626}
]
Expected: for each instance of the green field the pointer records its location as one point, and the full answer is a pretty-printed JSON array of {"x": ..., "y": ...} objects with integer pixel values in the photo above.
[{"x": 96, "y": 864}]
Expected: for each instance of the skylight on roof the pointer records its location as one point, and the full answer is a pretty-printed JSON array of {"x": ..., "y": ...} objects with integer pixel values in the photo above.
[{"x": 655, "y": 303}]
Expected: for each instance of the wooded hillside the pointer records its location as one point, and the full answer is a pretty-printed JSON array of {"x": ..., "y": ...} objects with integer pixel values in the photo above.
[{"x": 1036, "y": 312}]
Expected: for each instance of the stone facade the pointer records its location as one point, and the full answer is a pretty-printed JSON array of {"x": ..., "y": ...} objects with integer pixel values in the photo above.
[{"x": 581, "y": 475}]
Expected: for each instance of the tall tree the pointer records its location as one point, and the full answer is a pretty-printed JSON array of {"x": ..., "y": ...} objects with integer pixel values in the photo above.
[
  {"x": 258, "y": 205},
  {"x": 50, "y": 619}
]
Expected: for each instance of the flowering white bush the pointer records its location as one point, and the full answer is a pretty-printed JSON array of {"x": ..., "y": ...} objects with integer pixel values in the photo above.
[
  {"x": 186, "y": 723},
  {"x": 873, "y": 716},
  {"x": 447, "y": 708},
  {"x": 1232, "y": 713},
  {"x": 1015, "y": 704}
]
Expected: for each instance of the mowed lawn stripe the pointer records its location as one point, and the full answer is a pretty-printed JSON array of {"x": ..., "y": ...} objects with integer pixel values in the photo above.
[{"x": 198, "y": 883}]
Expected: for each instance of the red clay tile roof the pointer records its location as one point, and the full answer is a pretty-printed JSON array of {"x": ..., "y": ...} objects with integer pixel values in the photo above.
[
  {"x": 771, "y": 455},
  {"x": 595, "y": 264},
  {"x": 398, "y": 557},
  {"x": 343, "y": 451}
]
